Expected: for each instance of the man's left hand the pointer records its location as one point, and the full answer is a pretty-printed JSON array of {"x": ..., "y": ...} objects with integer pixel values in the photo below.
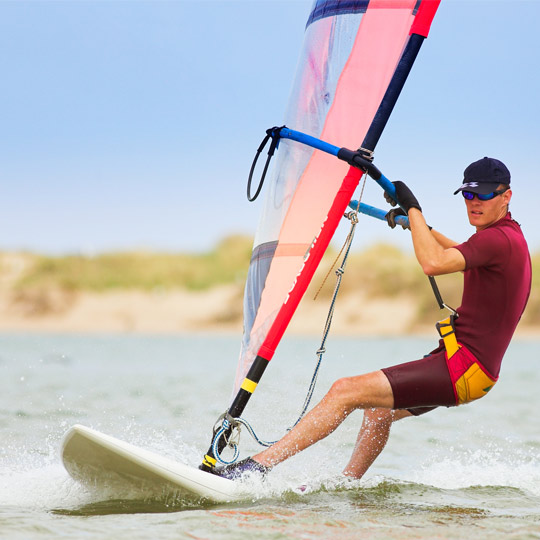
[{"x": 392, "y": 215}]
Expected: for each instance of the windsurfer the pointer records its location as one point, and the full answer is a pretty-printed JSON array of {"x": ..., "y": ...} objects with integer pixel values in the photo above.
[{"x": 497, "y": 280}]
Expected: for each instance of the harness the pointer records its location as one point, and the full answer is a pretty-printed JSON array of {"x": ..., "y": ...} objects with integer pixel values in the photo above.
[
  {"x": 470, "y": 379},
  {"x": 447, "y": 331},
  {"x": 446, "y": 327}
]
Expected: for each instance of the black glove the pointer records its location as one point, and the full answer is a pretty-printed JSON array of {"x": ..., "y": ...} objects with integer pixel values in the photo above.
[
  {"x": 405, "y": 197},
  {"x": 389, "y": 199},
  {"x": 392, "y": 215}
]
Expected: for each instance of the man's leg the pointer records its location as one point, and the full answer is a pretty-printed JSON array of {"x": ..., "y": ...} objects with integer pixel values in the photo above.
[
  {"x": 345, "y": 396},
  {"x": 372, "y": 439}
]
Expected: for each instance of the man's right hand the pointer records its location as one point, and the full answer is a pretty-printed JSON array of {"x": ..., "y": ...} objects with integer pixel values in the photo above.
[{"x": 405, "y": 196}]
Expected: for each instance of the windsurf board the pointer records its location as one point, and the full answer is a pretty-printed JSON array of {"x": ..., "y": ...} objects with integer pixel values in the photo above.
[{"x": 96, "y": 459}]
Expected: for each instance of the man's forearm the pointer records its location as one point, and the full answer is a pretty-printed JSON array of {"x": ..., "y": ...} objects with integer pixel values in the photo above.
[
  {"x": 442, "y": 240},
  {"x": 432, "y": 249}
]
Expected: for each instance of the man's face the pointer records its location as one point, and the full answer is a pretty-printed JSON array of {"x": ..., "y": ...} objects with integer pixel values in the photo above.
[{"x": 482, "y": 214}]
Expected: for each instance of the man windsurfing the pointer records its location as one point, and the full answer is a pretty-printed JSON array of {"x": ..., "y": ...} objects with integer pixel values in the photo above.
[{"x": 466, "y": 364}]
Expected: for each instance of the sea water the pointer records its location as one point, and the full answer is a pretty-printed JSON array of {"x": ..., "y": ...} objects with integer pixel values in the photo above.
[{"x": 467, "y": 472}]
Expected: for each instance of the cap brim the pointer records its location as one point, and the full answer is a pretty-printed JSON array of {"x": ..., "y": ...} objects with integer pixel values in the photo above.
[{"x": 483, "y": 188}]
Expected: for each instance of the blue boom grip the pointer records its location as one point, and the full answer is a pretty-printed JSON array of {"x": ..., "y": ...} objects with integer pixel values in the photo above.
[
  {"x": 308, "y": 140},
  {"x": 342, "y": 153},
  {"x": 387, "y": 186},
  {"x": 377, "y": 213},
  {"x": 356, "y": 160}
]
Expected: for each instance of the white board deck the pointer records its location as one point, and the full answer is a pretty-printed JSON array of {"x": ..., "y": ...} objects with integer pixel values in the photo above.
[{"x": 96, "y": 459}]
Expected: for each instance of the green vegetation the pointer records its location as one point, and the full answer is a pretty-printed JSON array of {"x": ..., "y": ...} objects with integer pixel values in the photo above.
[
  {"x": 381, "y": 271},
  {"x": 145, "y": 271}
]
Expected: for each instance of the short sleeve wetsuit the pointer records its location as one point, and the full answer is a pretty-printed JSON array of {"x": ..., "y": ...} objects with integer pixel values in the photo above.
[{"x": 497, "y": 283}]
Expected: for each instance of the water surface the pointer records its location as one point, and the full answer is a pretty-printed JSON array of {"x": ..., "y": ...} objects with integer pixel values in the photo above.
[{"x": 470, "y": 472}]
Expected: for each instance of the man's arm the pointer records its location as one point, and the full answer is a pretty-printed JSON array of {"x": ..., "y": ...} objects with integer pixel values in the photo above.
[
  {"x": 434, "y": 251},
  {"x": 442, "y": 240},
  {"x": 391, "y": 216}
]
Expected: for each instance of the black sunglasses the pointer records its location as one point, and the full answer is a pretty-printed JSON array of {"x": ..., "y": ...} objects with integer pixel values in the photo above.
[{"x": 469, "y": 195}]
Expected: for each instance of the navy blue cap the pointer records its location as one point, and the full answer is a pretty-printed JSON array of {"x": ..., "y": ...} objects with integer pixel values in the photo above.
[{"x": 484, "y": 176}]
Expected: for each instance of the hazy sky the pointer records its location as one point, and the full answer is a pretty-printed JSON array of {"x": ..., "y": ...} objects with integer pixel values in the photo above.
[{"x": 130, "y": 124}]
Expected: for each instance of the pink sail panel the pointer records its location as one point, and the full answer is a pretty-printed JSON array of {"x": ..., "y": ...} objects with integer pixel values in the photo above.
[{"x": 348, "y": 61}]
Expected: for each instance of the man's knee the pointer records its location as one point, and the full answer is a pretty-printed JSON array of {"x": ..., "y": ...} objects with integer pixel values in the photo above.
[
  {"x": 362, "y": 391},
  {"x": 343, "y": 394},
  {"x": 337, "y": 389},
  {"x": 340, "y": 387},
  {"x": 350, "y": 392}
]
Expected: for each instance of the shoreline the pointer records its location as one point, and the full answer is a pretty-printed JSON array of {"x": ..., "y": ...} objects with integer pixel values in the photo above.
[
  {"x": 217, "y": 311},
  {"x": 521, "y": 335}
]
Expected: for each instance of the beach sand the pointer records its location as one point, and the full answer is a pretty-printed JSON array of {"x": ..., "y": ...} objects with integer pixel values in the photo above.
[{"x": 216, "y": 310}]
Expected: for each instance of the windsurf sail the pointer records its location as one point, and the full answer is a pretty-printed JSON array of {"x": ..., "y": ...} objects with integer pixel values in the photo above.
[{"x": 356, "y": 57}]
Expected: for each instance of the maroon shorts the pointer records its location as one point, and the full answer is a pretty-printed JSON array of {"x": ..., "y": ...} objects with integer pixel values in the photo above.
[{"x": 422, "y": 385}]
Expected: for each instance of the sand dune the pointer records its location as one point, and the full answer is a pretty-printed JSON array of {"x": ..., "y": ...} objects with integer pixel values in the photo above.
[{"x": 218, "y": 309}]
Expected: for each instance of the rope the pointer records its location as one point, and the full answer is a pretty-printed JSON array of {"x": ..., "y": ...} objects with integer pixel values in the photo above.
[
  {"x": 353, "y": 217},
  {"x": 329, "y": 271},
  {"x": 233, "y": 426},
  {"x": 229, "y": 423},
  {"x": 227, "y": 426}
]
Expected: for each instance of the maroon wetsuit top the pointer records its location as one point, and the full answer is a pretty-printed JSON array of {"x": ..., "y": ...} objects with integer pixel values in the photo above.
[{"x": 496, "y": 288}]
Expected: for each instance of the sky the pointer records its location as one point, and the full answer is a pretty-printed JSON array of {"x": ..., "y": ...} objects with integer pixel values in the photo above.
[{"x": 132, "y": 124}]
